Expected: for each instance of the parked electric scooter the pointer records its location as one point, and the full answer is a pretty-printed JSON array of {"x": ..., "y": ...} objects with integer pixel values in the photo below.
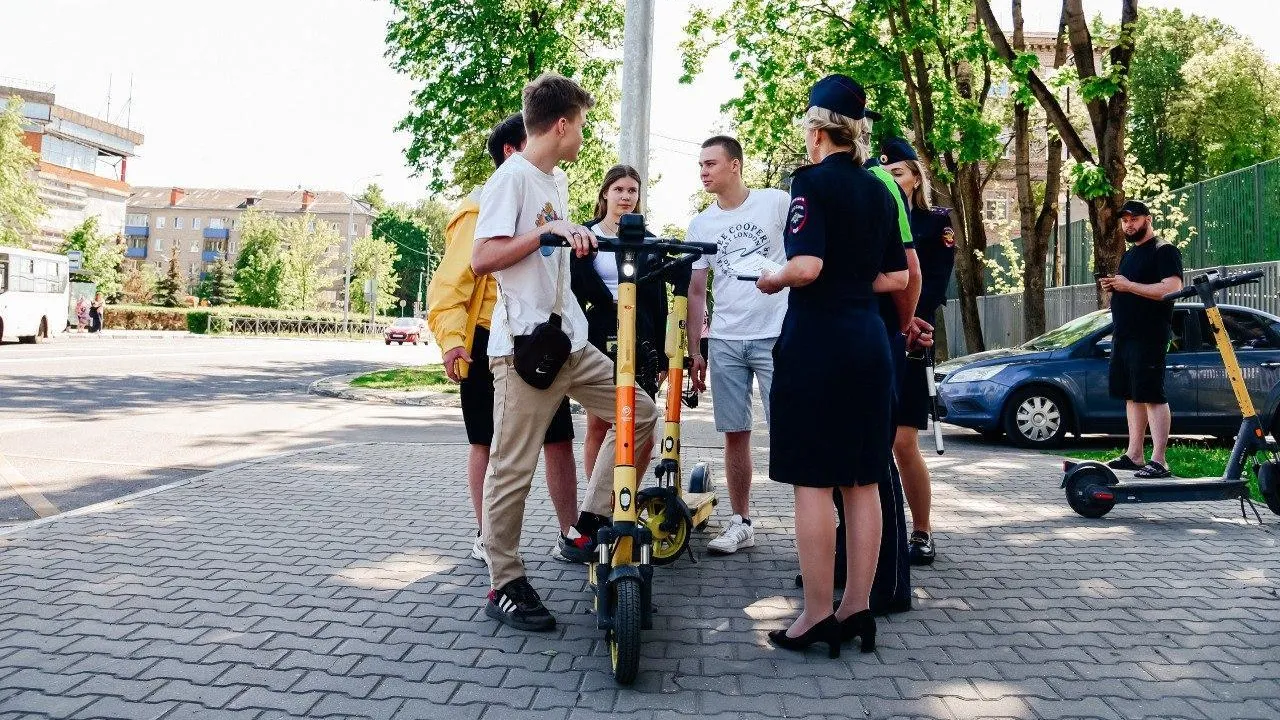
[
  {"x": 622, "y": 573},
  {"x": 1092, "y": 488}
]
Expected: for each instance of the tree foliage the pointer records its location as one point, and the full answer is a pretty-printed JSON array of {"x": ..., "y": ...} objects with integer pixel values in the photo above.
[
  {"x": 20, "y": 204},
  {"x": 306, "y": 261},
  {"x": 374, "y": 258},
  {"x": 102, "y": 257},
  {"x": 170, "y": 290},
  {"x": 418, "y": 236},
  {"x": 259, "y": 267},
  {"x": 926, "y": 65},
  {"x": 139, "y": 287},
  {"x": 373, "y": 197},
  {"x": 220, "y": 286},
  {"x": 471, "y": 60}
]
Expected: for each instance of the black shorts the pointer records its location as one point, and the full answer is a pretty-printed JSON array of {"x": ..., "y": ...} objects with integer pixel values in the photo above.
[
  {"x": 913, "y": 394},
  {"x": 1137, "y": 371},
  {"x": 477, "y": 400}
]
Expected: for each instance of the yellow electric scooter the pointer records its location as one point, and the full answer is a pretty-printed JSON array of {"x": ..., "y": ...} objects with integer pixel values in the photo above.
[{"x": 622, "y": 573}]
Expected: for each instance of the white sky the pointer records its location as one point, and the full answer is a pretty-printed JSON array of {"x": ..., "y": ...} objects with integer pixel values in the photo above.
[{"x": 282, "y": 93}]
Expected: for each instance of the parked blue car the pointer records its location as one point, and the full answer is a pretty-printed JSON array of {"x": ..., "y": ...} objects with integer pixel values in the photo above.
[{"x": 1057, "y": 383}]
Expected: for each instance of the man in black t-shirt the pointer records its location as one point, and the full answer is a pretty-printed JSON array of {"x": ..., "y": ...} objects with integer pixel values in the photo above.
[{"x": 1148, "y": 271}]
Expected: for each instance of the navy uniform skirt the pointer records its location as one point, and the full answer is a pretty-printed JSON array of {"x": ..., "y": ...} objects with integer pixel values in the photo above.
[{"x": 832, "y": 396}]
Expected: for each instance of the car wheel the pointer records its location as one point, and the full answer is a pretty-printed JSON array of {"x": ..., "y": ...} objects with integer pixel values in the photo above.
[
  {"x": 1036, "y": 417},
  {"x": 387, "y": 342}
]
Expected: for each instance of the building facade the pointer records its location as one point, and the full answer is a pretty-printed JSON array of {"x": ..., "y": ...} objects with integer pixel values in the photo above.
[
  {"x": 202, "y": 225},
  {"x": 83, "y": 165}
]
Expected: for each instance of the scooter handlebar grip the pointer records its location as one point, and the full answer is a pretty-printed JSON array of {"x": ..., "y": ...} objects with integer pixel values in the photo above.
[{"x": 552, "y": 240}]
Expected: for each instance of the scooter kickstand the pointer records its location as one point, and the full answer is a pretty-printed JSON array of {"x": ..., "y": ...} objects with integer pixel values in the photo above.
[{"x": 1252, "y": 507}]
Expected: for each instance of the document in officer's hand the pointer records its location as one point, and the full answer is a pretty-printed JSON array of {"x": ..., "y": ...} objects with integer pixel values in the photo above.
[{"x": 751, "y": 267}]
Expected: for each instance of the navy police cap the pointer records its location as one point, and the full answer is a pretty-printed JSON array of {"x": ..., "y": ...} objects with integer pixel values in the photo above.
[
  {"x": 840, "y": 94},
  {"x": 894, "y": 150}
]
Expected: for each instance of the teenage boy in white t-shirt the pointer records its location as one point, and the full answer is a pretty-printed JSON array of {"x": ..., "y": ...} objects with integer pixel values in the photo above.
[
  {"x": 747, "y": 225},
  {"x": 526, "y": 197}
]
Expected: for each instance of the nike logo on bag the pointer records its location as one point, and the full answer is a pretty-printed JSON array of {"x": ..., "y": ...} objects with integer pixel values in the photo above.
[{"x": 540, "y": 371}]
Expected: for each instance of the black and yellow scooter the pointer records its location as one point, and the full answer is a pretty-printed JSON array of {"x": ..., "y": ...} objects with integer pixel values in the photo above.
[
  {"x": 650, "y": 526},
  {"x": 1093, "y": 489}
]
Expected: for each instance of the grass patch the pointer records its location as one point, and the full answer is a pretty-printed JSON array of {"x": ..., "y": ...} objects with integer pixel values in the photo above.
[
  {"x": 425, "y": 377},
  {"x": 1187, "y": 459}
]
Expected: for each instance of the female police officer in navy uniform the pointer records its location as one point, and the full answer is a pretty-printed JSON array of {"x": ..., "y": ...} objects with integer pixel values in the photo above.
[
  {"x": 833, "y": 375},
  {"x": 935, "y": 246}
]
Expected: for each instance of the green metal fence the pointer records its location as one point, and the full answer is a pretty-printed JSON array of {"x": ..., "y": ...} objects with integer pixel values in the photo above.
[{"x": 1237, "y": 217}]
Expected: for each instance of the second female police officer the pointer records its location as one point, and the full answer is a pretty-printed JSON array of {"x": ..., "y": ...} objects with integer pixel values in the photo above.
[{"x": 832, "y": 388}]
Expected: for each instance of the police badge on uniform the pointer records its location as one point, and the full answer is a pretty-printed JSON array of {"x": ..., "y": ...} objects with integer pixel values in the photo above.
[
  {"x": 797, "y": 215},
  {"x": 948, "y": 237}
]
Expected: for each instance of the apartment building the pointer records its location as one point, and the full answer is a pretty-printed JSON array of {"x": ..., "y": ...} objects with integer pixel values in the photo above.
[
  {"x": 82, "y": 167},
  {"x": 202, "y": 225}
]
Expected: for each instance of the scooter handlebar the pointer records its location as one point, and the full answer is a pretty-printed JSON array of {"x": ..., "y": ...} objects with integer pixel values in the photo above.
[
  {"x": 1216, "y": 284},
  {"x": 685, "y": 247}
]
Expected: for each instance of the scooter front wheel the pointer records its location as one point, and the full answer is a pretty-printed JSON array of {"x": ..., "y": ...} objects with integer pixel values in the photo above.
[
  {"x": 1089, "y": 494},
  {"x": 668, "y": 523},
  {"x": 624, "y": 638}
]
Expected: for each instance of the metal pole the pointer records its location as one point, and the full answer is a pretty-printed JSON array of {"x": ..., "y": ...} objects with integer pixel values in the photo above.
[
  {"x": 346, "y": 296},
  {"x": 373, "y": 303},
  {"x": 637, "y": 71}
]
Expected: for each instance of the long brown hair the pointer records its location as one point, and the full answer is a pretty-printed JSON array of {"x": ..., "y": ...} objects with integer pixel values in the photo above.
[{"x": 616, "y": 173}]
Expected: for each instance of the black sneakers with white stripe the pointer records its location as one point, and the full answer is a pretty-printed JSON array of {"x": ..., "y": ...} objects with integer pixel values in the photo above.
[{"x": 517, "y": 604}]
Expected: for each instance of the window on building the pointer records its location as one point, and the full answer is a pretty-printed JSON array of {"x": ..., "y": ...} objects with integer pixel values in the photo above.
[
  {"x": 177, "y": 223},
  {"x": 65, "y": 153},
  {"x": 192, "y": 269},
  {"x": 996, "y": 210},
  {"x": 136, "y": 220},
  {"x": 231, "y": 247},
  {"x": 353, "y": 228},
  {"x": 159, "y": 222},
  {"x": 137, "y": 243},
  {"x": 195, "y": 247},
  {"x": 217, "y": 223},
  {"x": 195, "y": 223},
  {"x": 311, "y": 226}
]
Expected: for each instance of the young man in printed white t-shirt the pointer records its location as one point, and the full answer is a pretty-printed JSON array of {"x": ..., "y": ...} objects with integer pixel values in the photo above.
[
  {"x": 747, "y": 225},
  {"x": 526, "y": 197}
]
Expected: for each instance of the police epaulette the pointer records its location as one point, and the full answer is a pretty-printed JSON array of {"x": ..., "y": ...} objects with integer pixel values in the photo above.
[
  {"x": 940, "y": 210},
  {"x": 802, "y": 168}
]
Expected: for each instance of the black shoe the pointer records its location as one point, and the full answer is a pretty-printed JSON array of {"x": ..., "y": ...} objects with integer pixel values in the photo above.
[
  {"x": 860, "y": 625},
  {"x": 517, "y": 604},
  {"x": 920, "y": 549},
  {"x": 1153, "y": 471},
  {"x": 827, "y": 631},
  {"x": 574, "y": 550},
  {"x": 1124, "y": 462}
]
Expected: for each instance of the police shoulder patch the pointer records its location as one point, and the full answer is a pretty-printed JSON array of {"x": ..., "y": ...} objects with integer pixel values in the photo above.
[
  {"x": 797, "y": 214},
  {"x": 948, "y": 236},
  {"x": 940, "y": 211}
]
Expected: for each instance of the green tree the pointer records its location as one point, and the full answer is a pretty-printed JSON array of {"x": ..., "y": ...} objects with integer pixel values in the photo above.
[
  {"x": 20, "y": 205},
  {"x": 374, "y": 258},
  {"x": 102, "y": 257},
  {"x": 259, "y": 267},
  {"x": 307, "y": 261},
  {"x": 170, "y": 289},
  {"x": 373, "y": 197},
  {"x": 139, "y": 287},
  {"x": 418, "y": 236},
  {"x": 470, "y": 61},
  {"x": 928, "y": 68},
  {"x": 220, "y": 287}
]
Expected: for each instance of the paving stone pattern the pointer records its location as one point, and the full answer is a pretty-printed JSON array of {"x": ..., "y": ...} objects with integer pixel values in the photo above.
[{"x": 337, "y": 583}]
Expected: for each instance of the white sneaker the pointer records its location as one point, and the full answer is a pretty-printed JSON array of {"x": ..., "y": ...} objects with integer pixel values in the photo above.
[
  {"x": 477, "y": 551},
  {"x": 736, "y": 536}
]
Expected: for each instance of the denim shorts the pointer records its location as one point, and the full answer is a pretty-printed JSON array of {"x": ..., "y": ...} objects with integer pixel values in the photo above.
[{"x": 732, "y": 364}]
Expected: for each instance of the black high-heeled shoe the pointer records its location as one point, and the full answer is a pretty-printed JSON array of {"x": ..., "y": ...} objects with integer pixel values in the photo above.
[
  {"x": 861, "y": 624},
  {"x": 827, "y": 630}
]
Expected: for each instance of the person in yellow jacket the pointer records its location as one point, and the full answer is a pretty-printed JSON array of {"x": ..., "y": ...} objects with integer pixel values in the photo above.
[{"x": 459, "y": 308}]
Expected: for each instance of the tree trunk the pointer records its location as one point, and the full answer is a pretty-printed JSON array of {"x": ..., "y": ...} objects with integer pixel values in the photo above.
[{"x": 971, "y": 241}]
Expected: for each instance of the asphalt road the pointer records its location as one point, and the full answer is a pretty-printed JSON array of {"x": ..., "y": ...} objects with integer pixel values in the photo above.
[{"x": 86, "y": 418}]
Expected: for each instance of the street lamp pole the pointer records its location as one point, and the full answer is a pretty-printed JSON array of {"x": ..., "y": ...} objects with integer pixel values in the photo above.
[{"x": 351, "y": 225}]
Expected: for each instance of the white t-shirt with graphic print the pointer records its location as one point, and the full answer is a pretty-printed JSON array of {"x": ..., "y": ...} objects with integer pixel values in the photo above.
[
  {"x": 755, "y": 227},
  {"x": 518, "y": 198}
]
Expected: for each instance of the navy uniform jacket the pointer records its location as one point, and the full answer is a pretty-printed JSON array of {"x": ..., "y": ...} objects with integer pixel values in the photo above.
[{"x": 935, "y": 245}]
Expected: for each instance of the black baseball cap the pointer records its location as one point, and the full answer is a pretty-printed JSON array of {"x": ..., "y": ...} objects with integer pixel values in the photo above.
[
  {"x": 841, "y": 94},
  {"x": 1134, "y": 207}
]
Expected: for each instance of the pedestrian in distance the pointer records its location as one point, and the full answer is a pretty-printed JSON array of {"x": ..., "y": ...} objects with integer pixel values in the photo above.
[
  {"x": 747, "y": 226},
  {"x": 595, "y": 285},
  {"x": 933, "y": 241},
  {"x": 460, "y": 310},
  {"x": 538, "y": 346},
  {"x": 1150, "y": 269},
  {"x": 833, "y": 377},
  {"x": 96, "y": 309}
]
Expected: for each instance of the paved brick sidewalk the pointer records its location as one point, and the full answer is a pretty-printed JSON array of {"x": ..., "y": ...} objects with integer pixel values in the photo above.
[{"x": 337, "y": 584}]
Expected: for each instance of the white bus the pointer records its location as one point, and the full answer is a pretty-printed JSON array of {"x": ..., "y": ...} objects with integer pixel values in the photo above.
[{"x": 35, "y": 293}]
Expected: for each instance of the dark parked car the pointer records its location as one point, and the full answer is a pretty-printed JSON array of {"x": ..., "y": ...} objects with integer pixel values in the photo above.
[{"x": 1057, "y": 383}]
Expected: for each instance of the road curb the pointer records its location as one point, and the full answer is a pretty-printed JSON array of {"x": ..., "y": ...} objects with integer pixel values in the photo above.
[
  {"x": 339, "y": 386},
  {"x": 135, "y": 335}
]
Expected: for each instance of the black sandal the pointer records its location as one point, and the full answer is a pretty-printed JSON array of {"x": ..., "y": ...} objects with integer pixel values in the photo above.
[
  {"x": 1124, "y": 462},
  {"x": 1153, "y": 471}
]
